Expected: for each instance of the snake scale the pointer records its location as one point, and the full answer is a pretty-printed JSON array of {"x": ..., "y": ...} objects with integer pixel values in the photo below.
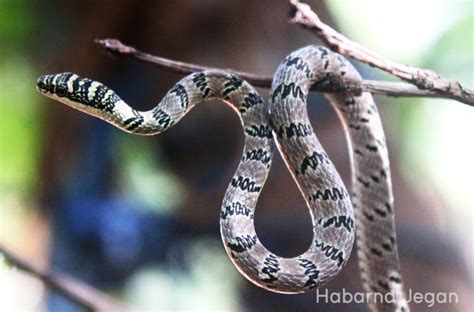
[{"x": 284, "y": 117}]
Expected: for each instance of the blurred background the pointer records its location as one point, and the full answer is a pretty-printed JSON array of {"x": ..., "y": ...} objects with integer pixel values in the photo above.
[{"x": 137, "y": 217}]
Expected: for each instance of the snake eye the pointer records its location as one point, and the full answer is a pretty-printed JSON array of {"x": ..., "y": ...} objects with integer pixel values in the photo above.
[
  {"x": 61, "y": 91},
  {"x": 41, "y": 85}
]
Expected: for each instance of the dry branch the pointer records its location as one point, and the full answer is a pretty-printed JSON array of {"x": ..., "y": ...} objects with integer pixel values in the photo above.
[
  {"x": 79, "y": 293},
  {"x": 424, "y": 79},
  {"x": 387, "y": 88}
]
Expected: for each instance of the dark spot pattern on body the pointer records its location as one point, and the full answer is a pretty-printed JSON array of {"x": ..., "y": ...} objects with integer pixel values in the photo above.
[
  {"x": 180, "y": 91},
  {"x": 331, "y": 252},
  {"x": 259, "y": 155},
  {"x": 387, "y": 247},
  {"x": 199, "y": 80},
  {"x": 133, "y": 122},
  {"x": 284, "y": 90},
  {"x": 376, "y": 252},
  {"x": 338, "y": 221},
  {"x": 236, "y": 209},
  {"x": 311, "y": 271},
  {"x": 311, "y": 162},
  {"x": 368, "y": 216},
  {"x": 299, "y": 64},
  {"x": 243, "y": 243},
  {"x": 329, "y": 194},
  {"x": 271, "y": 266},
  {"x": 260, "y": 131},
  {"x": 363, "y": 182},
  {"x": 250, "y": 101},
  {"x": 297, "y": 130},
  {"x": 354, "y": 126},
  {"x": 232, "y": 84},
  {"x": 371, "y": 148},
  {"x": 245, "y": 184},
  {"x": 380, "y": 212},
  {"x": 375, "y": 178},
  {"x": 163, "y": 119}
]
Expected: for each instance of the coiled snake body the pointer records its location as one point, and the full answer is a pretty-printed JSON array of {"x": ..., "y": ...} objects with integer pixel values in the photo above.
[{"x": 285, "y": 118}]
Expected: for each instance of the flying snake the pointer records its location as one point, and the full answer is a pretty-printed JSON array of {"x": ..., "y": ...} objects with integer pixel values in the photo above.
[{"x": 284, "y": 118}]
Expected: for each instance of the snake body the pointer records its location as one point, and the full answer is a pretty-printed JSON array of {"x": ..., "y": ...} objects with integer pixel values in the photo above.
[
  {"x": 372, "y": 196},
  {"x": 285, "y": 118}
]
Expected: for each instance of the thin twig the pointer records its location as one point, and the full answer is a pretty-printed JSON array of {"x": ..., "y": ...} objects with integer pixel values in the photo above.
[
  {"x": 424, "y": 79},
  {"x": 79, "y": 293},
  {"x": 387, "y": 88},
  {"x": 116, "y": 47}
]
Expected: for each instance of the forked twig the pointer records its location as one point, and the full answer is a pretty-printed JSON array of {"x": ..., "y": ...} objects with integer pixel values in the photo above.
[
  {"x": 387, "y": 88},
  {"x": 424, "y": 79}
]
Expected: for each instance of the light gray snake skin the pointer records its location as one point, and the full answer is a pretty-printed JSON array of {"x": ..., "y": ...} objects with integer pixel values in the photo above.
[{"x": 285, "y": 118}]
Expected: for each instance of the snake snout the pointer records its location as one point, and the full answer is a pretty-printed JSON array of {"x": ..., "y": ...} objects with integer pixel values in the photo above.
[{"x": 42, "y": 83}]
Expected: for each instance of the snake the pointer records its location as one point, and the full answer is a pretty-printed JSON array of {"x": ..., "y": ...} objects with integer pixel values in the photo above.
[{"x": 365, "y": 216}]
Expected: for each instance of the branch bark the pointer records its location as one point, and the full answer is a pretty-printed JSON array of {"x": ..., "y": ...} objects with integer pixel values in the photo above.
[
  {"x": 79, "y": 293},
  {"x": 424, "y": 79}
]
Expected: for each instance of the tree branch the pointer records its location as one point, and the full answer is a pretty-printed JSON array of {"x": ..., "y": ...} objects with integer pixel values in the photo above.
[
  {"x": 387, "y": 88},
  {"x": 79, "y": 293},
  {"x": 424, "y": 79}
]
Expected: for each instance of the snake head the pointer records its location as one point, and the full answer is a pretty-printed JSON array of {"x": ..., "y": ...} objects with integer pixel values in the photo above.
[
  {"x": 84, "y": 94},
  {"x": 56, "y": 86}
]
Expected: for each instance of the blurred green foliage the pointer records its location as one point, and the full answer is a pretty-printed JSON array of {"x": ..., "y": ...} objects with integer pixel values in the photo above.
[
  {"x": 20, "y": 117},
  {"x": 456, "y": 46},
  {"x": 436, "y": 130},
  {"x": 452, "y": 55}
]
